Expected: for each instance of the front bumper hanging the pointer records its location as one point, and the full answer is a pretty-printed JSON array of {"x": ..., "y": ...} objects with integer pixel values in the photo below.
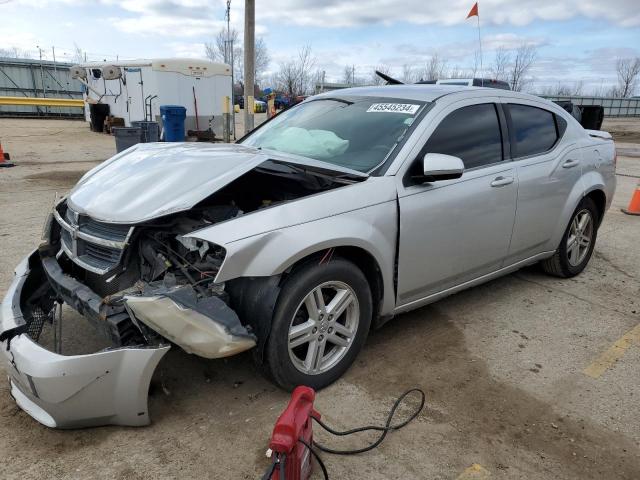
[{"x": 107, "y": 387}]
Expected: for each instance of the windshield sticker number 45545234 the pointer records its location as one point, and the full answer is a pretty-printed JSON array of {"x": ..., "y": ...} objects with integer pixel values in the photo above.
[{"x": 407, "y": 108}]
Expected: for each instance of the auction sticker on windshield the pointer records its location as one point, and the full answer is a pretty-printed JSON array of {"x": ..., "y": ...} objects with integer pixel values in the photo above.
[{"x": 408, "y": 108}]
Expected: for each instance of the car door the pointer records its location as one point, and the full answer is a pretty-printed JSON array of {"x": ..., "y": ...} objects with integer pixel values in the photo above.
[
  {"x": 453, "y": 231},
  {"x": 547, "y": 170}
]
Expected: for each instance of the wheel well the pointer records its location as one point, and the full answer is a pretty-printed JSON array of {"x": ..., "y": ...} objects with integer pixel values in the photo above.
[
  {"x": 600, "y": 199},
  {"x": 363, "y": 260}
]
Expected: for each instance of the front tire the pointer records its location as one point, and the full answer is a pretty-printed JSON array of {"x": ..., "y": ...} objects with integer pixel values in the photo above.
[
  {"x": 321, "y": 321},
  {"x": 577, "y": 243}
]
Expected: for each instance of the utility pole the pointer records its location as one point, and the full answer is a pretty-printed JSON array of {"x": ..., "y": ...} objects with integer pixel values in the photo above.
[
  {"x": 55, "y": 68},
  {"x": 44, "y": 90},
  {"x": 249, "y": 62},
  {"x": 229, "y": 58}
]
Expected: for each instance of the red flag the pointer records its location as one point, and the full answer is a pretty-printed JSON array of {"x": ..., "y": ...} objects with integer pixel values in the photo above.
[{"x": 474, "y": 11}]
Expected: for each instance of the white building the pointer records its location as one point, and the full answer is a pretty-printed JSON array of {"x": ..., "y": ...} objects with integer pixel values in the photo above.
[{"x": 135, "y": 90}]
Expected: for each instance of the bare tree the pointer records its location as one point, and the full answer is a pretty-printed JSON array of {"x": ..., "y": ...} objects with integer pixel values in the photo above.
[
  {"x": 261, "y": 63},
  {"x": 263, "y": 59},
  {"x": 500, "y": 67},
  {"x": 434, "y": 68},
  {"x": 377, "y": 79},
  {"x": 296, "y": 75},
  {"x": 628, "y": 70},
  {"x": 78, "y": 55},
  {"x": 409, "y": 74},
  {"x": 523, "y": 59},
  {"x": 476, "y": 64},
  {"x": 348, "y": 74},
  {"x": 220, "y": 50},
  {"x": 458, "y": 72},
  {"x": 564, "y": 89},
  {"x": 14, "y": 52}
]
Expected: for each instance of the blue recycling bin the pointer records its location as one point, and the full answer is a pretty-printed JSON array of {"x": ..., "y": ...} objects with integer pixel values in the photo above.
[{"x": 173, "y": 117}]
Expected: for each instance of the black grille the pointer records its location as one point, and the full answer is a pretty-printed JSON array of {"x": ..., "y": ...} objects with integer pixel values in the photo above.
[
  {"x": 107, "y": 231},
  {"x": 104, "y": 258},
  {"x": 101, "y": 253},
  {"x": 123, "y": 280}
]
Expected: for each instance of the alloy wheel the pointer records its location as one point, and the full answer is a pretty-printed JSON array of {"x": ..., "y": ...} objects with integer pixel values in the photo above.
[
  {"x": 323, "y": 328},
  {"x": 580, "y": 237}
]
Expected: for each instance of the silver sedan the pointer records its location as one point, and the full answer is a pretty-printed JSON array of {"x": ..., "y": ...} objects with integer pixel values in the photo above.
[{"x": 324, "y": 222}]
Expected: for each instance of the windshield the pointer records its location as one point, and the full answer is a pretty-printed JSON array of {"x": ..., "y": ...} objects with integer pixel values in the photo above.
[{"x": 353, "y": 132}]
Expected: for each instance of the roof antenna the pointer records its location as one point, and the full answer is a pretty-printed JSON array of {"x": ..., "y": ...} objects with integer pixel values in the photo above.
[{"x": 388, "y": 79}]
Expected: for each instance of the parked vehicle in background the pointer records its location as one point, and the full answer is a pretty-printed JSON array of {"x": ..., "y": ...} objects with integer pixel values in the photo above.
[
  {"x": 281, "y": 101},
  {"x": 330, "y": 219},
  {"x": 475, "y": 82},
  {"x": 589, "y": 116},
  {"x": 467, "y": 82},
  {"x": 259, "y": 106},
  {"x": 298, "y": 99}
]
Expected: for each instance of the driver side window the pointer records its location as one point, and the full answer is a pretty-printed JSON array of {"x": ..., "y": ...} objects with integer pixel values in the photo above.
[{"x": 471, "y": 133}]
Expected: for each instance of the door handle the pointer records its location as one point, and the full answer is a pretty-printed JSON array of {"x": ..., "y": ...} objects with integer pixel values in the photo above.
[
  {"x": 570, "y": 163},
  {"x": 501, "y": 181}
]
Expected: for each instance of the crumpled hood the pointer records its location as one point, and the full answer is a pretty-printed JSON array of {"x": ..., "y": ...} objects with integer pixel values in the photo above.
[{"x": 150, "y": 180}]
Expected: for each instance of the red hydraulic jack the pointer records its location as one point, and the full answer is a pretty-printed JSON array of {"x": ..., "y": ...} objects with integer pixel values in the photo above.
[
  {"x": 292, "y": 444},
  {"x": 293, "y": 436}
]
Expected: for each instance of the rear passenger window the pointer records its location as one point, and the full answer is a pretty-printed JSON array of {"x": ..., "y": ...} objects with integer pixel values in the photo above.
[
  {"x": 471, "y": 133},
  {"x": 534, "y": 130}
]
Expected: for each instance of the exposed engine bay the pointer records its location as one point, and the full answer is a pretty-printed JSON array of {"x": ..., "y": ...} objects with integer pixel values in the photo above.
[
  {"x": 126, "y": 249},
  {"x": 158, "y": 261}
]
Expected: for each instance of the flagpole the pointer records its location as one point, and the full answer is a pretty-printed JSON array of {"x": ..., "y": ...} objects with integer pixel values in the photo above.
[{"x": 480, "y": 43}]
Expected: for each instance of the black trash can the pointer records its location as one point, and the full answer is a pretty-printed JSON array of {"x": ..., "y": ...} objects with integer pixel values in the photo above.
[
  {"x": 127, "y": 137},
  {"x": 98, "y": 112},
  {"x": 150, "y": 130}
]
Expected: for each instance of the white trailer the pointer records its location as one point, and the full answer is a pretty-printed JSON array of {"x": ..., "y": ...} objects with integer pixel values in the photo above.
[{"x": 135, "y": 90}]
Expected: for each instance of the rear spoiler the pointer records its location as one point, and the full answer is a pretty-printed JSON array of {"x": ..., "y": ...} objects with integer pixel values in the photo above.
[{"x": 599, "y": 134}]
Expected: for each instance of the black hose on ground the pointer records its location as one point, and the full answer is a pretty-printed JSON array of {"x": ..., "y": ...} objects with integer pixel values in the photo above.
[{"x": 388, "y": 427}]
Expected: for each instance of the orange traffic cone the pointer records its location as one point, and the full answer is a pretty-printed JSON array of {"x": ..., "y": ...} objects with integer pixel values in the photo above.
[
  {"x": 4, "y": 157},
  {"x": 634, "y": 204}
]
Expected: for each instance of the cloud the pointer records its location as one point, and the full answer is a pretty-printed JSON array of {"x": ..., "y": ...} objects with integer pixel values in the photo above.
[
  {"x": 334, "y": 13},
  {"x": 185, "y": 14},
  {"x": 177, "y": 18},
  {"x": 186, "y": 49},
  {"x": 157, "y": 25},
  {"x": 179, "y": 27}
]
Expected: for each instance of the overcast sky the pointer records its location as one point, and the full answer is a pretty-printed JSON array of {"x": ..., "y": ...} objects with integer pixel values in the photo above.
[{"x": 577, "y": 40}]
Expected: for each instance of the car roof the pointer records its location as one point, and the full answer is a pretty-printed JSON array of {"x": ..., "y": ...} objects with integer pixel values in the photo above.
[{"x": 423, "y": 92}]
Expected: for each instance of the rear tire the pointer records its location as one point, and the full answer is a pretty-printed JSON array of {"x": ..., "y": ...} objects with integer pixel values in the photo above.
[
  {"x": 577, "y": 244},
  {"x": 309, "y": 345}
]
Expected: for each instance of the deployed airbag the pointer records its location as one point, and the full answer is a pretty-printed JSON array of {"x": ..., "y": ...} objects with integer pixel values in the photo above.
[{"x": 318, "y": 144}]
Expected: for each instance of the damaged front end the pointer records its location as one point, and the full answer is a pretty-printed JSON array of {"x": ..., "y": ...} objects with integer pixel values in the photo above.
[
  {"x": 157, "y": 290},
  {"x": 123, "y": 251}
]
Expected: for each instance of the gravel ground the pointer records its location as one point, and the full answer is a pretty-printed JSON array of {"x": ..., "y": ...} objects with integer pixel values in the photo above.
[{"x": 502, "y": 365}]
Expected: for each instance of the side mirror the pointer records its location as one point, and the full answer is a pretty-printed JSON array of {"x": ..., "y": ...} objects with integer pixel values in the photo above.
[{"x": 437, "y": 166}]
